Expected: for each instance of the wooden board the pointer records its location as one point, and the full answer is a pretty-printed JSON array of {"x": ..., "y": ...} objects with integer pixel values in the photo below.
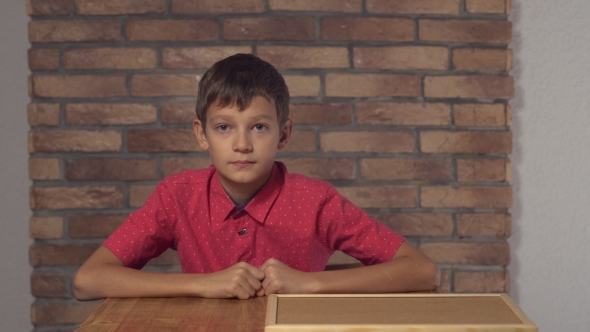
[
  {"x": 396, "y": 312},
  {"x": 176, "y": 314}
]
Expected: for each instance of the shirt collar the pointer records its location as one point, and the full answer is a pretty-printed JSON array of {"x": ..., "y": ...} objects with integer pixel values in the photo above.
[{"x": 221, "y": 205}]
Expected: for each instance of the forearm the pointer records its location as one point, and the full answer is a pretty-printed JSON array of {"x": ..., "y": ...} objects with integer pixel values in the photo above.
[
  {"x": 396, "y": 276},
  {"x": 109, "y": 280}
]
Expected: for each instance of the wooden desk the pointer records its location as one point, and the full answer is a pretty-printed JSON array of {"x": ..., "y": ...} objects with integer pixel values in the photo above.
[{"x": 381, "y": 312}]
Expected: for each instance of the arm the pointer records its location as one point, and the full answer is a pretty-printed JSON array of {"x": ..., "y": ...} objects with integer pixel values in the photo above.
[
  {"x": 408, "y": 270},
  {"x": 104, "y": 275}
]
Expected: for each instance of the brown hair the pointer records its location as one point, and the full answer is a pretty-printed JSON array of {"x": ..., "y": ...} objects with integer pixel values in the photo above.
[{"x": 237, "y": 79}]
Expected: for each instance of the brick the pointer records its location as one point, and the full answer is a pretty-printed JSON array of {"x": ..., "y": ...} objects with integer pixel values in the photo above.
[
  {"x": 172, "y": 30},
  {"x": 49, "y": 285},
  {"x": 44, "y": 169},
  {"x": 175, "y": 165},
  {"x": 488, "y": 87},
  {"x": 368, "y": 28},
  {"x": 445, "y": 282},
  {"x": 110, "y": 58},
  {"x": 60, "y": 254},
  {"x": 322, "y": 168},
  {"x": 48, "y": 7},
  {"x": 402, "y": 58},
  {"x": 481, "y": 282},
  {"x": 110, "y": 114},
  {"x": 321, "y": 114},
  {"x": 482, "y": 59},
  {"x": 302, "y": 141},
  {"x": 468, "y": 253},
  {"x": 488, "y": 6},
  {"x": 480, "y": 115},
  {"x": 79, "y": 86},
  {"x": 418, "y": 224},
  {"x": 372, "y": 85},
  {"x": 406, "y": 169},
  {"x": 164, "y": 85},
  {"x": 348, "y": 6},
  {"x": 436, "y": 114},
  {"x": 95, "y": 225},
  {"x": 481, "y": 170},
  {"x": 484, "y": 224},
  {"x": 74, "y": 140},
  {"x": 302, "y": 86},
  {"x": 168, "y": 257},
  {"x": 178, "y": 112},
  {"x": 43, "y": 114},
  {"x": 466, "y": 197},
  {"x": 465, "y": 142},
  {"x": 217, "y": 6},
  {"x": 111, "y": 169},
  {"x": 162, "y": 140},
  {"x": 304, "y": 57},
  {"x": 466, "y": 31},
  {"x": 52, "y": 313},
  {"x": 46, "y": 227},
  {"x": 367, "y": 141},
  {"x": 413, "y": 6},
  {"x": 198, "y": 57},
  {"x": 139, "y": 194},
  {"x": 57, "y": 198},
  {"x": 53, "y": 31},
  {"x": 43, "y": 59},
  {"x": 119, "y": 7},
  {"x": 270, "y": 28},
  {"x": 380, "y": 196}
]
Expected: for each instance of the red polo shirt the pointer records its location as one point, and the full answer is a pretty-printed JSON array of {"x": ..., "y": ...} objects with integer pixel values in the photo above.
[{"x": 296, "y": 219}]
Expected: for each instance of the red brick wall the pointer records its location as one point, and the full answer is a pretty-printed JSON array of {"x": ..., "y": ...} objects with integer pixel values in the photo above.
[{"x": 402, "y": 104}]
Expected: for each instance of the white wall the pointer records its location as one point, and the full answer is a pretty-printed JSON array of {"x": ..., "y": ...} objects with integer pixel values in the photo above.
[
  {"x": 15, "y": 298},
  {"x": 550, "y": 266},
  {"x": 551, "y": 164}
]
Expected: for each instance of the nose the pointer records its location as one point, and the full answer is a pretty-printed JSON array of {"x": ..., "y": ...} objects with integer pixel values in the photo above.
[{"x": 242, "y": 142}]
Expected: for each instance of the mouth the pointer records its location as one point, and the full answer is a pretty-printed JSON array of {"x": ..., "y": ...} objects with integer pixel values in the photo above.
[{"x": 242, "y": 163}]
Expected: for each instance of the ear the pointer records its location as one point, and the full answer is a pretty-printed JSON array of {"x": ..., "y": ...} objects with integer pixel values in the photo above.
[
  {"x": 200, "y": 134},
  {"x": 285, "y": 134}
]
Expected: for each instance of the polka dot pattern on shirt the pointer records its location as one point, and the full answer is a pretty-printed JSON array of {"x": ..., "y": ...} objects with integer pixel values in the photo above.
[{"x": 299, "y": 220}]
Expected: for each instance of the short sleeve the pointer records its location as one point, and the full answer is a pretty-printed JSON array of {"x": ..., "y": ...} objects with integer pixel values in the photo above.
[
  {"x": 146, "y": 233},
  {"x": 349, "y": 229}
]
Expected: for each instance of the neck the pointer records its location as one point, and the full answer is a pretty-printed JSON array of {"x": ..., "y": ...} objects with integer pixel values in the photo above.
[{"x": 242, "y": 193}]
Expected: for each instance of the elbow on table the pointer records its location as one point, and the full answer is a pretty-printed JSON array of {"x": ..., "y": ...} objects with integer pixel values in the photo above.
[
  {"x": 81, "y": 285},
  {"x": 430, "y": 275}
]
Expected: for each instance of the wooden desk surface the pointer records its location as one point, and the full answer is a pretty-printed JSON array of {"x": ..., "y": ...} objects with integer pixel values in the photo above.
[
  {"x": 177, "y": 314},
  {"x": 463, "y": 312}
]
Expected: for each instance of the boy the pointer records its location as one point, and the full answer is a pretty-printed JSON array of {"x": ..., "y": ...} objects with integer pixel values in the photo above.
[{"x": 245, "y": 227}]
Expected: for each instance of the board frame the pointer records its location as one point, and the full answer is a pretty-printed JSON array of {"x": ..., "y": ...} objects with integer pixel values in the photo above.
[{"x": 272, "y": 311}]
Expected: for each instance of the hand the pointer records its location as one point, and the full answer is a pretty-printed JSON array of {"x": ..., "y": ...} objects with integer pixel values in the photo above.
[
  {"x": 281, "y": 279},
  {"x": 241, "y": 280}
]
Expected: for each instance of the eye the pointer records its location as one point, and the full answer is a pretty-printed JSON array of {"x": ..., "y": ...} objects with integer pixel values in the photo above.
[
  {"x": 222, "y": 127},
  {"x": 260, "y": 127}
]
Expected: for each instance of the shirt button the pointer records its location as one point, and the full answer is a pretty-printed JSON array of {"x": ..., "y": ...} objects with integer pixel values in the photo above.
[{"x": 243, "y": 232}]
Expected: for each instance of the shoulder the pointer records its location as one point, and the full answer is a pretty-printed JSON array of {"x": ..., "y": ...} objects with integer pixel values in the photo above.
[{"x": 300, "y": 182}]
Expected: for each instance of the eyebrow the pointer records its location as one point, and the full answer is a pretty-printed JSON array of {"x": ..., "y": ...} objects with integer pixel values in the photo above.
[
  {"x": 262, "y": 116},
  {"x": 255, "y": 118},
  {"x": 219, "y": 117}
]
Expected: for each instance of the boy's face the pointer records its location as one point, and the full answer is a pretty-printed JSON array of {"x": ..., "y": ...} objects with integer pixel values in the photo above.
[{"x": 243, "y": 144}]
